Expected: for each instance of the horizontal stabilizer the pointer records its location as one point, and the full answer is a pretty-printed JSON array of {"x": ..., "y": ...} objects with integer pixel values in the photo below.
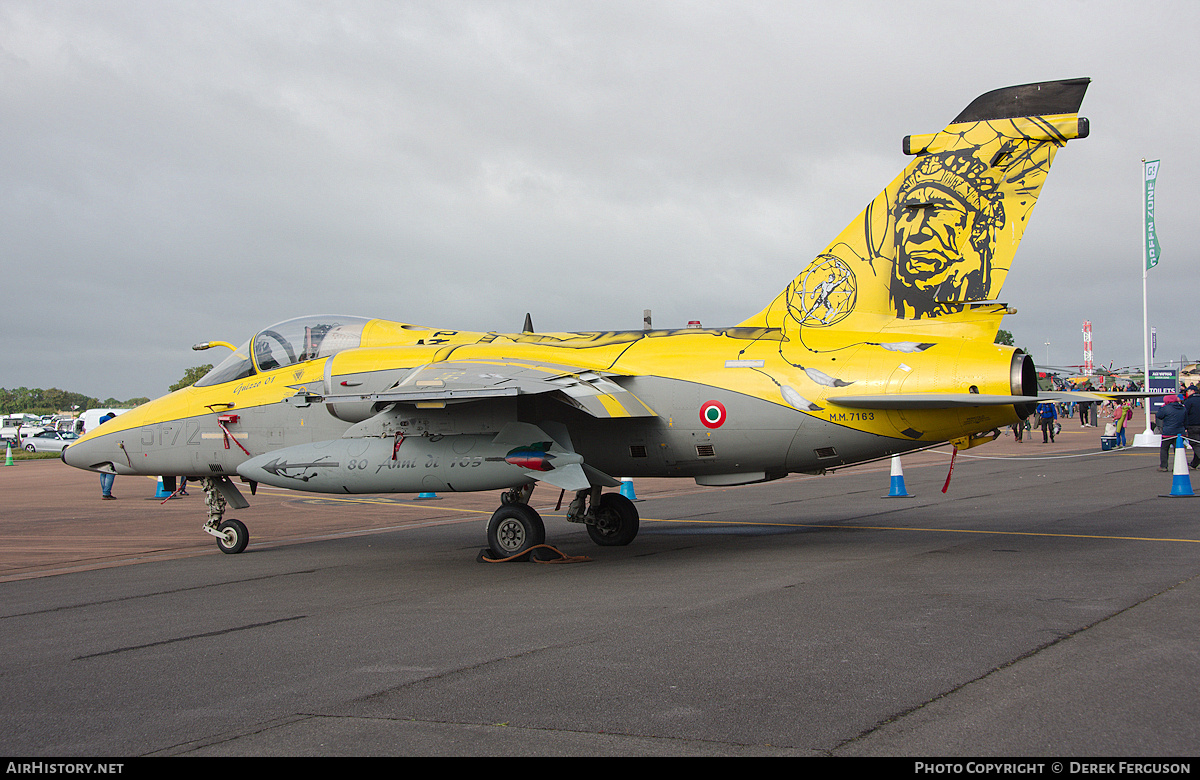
[
  {"x": 957, "y": 400},
  {"x": 1098, "y": 396},
  {"x": 930, "y": 400}
]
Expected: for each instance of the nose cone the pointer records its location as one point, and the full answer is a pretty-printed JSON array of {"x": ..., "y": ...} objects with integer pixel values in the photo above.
[
  {"x": 93, "y": 453},
  {"x": 119, "y": 445}
]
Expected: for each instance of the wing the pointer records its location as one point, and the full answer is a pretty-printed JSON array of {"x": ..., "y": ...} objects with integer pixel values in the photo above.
[
  {"x": 378, "y": 408},
  {"x": 457, "y": 381}
]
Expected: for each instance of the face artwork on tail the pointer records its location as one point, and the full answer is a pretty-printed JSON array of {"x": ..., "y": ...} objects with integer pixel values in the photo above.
[{"x": 945, "y": 218}]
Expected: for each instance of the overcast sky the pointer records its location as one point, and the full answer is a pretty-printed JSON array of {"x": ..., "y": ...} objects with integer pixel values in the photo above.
[{"x": 173, "y": 172}]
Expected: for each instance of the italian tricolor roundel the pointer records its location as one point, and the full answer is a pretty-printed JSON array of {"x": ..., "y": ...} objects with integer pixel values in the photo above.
[{"x": 712, "y": 414}]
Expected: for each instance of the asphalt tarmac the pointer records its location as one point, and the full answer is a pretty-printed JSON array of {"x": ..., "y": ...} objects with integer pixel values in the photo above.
[{"x": 1045, "y": 605}]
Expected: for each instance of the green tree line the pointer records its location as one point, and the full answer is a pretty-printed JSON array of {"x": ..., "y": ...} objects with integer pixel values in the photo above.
[{"x": 38, "y": 401}]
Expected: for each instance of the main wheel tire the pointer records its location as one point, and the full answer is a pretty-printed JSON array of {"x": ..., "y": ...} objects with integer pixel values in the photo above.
[
  {"x": 514, "y": 529},
  {"x": 616, "y": 521},
  {"x": 235, "y": 536}
]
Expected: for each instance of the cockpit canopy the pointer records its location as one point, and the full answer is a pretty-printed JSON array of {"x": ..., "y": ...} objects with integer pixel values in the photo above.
[{"x": 288, "y": 343}]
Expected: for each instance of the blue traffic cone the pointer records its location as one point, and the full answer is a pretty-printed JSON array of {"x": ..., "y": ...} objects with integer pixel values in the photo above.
[
  {"x": 897, "y": 490},
  {"x": 627, "y": 489},
  {"x": 162, "y": 491},
  {"x": 426, "y": 496},
  {"x": 1181, "y": 482}
]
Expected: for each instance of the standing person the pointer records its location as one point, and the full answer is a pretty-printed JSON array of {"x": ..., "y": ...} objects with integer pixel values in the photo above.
[
  {"x": 106, "y": 479},
  {"x": 1047, "y": 415},
  {"x": 1171, "y": 418},
  {"x": 1121, "y": 416},
  {"x": 1192, "y": 423},
  {"x": 1083, "y": 412}
]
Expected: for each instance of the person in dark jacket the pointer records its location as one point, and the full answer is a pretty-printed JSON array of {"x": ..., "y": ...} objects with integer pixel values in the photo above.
[
  {"x": 106, "y": 478},
  {"x": 1192, "y": 424},
  {"x": 1171, "y": 418},
  {"x": 1047, "y": 416}
]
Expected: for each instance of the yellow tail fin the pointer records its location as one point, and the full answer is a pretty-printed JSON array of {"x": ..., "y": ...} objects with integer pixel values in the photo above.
[{"x": 942, "y": 235}]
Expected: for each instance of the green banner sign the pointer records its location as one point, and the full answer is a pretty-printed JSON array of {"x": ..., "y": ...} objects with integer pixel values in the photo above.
[{"x": 1153, "y": 250}]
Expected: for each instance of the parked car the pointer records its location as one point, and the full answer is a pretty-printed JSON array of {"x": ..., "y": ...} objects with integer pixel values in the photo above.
[{"x": 50, "y": 441}]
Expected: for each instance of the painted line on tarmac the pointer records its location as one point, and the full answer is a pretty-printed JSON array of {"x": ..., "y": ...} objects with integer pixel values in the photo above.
[
  {"x": 1099, "y": 454},
  {"x": 927, "y": 530},
  {"x": 290, "y": 540},
  {"x": 545, "y": 513}
]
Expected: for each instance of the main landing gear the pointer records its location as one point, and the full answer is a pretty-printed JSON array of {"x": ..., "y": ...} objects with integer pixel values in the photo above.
[
  {"x": 515, "y": 528},
  {"x": 613, "y": 523}
]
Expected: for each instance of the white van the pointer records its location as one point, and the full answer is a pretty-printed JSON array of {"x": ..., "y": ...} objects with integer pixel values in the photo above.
[{"x": 91, "y": 418}]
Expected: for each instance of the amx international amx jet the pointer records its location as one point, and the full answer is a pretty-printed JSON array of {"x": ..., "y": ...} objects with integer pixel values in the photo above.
[{"x": 882, "y": 344}]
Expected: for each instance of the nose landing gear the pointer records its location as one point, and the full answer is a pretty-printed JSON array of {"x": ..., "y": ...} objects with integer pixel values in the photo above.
[{"x": 231, "y": 535}]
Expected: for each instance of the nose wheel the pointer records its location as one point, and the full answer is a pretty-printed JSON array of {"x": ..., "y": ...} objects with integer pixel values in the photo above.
[{"x": 232, "y": 536}]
